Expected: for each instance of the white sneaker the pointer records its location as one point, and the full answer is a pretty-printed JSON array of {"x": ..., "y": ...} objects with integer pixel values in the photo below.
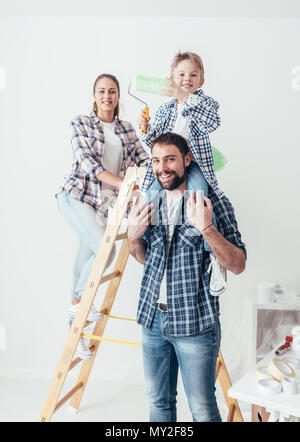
[
  {"x": 218, "y": 277},
  {"x": 93, "y": 316},
  {"x": 82, "y": 350}
]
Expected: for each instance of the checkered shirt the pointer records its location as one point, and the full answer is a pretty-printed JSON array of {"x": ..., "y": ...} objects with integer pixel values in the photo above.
[
  {"x": 191, "y": 307},
  {"x": 88, "y": 147},
  {"x": 202, "y": 112}
]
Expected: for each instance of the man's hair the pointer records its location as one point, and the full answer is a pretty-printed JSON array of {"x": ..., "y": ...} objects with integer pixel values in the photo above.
[{"x": 172, "y": 138}]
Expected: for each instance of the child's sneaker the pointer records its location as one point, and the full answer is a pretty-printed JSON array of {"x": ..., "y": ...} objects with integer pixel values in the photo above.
[
  {"x": 218, "y": 277},
  {"x": 93, "y": 316},
  {"x": 82, "y": 350}
]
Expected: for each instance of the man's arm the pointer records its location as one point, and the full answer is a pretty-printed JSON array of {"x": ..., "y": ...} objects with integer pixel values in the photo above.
[
  {"x": 137, "y": 249},
  {"x": 229, "y": 255},
  {"x": 138, "y": 222}
]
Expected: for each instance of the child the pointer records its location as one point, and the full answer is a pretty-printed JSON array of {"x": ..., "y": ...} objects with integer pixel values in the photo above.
[{"x": 193, "y": 115}]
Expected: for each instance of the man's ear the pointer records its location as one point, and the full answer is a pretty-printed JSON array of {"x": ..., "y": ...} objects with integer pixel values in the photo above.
[{"x": 187, "y": 159}]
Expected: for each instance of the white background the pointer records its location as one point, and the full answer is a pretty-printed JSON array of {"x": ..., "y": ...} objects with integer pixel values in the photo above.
[{"x": 51, "y": 63}]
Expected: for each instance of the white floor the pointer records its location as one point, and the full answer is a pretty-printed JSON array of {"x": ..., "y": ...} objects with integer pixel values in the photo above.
[{"x": 103, "y": 401}]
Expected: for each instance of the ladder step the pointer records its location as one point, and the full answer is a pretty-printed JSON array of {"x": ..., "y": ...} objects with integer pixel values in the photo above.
[
  {"x": 110, "y": 276},
  {"x": 117, "y": 341},
  {"x": 121, "y": 236},
  {"x": 68, "y": 396},
  {"x": 77, "y": 361}
]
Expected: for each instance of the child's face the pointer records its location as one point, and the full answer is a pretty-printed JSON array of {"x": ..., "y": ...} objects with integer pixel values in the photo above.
[{"x": 188, "y": 76}]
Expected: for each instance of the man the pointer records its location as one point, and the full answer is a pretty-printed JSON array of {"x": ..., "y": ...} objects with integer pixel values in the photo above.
[{"x": 180, "y": 317}]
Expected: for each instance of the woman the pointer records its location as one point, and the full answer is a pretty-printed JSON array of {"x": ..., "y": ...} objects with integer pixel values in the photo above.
[{"x": 103, "y": 148}]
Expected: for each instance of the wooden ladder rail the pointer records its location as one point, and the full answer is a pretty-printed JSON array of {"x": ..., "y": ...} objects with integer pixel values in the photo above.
[
  {"x": 133, "y": 176},
  {"x": 222, "y": 375},
  {"x": 100, "y": 326}
]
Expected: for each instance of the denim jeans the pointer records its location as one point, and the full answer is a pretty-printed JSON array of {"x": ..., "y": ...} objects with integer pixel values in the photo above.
[
  {"x": 82, "y": 219},
  {"x": 195, "y": 181},
  {"x": 195, "y": 355}
]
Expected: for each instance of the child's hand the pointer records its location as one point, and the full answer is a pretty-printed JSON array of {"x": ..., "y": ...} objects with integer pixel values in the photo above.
[
  {"x": 172, "y": 89},
  {"x": 143, "y": 120}
]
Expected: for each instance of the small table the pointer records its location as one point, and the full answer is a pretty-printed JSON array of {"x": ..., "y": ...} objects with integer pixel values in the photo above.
[{"x": 282, "y": 407}]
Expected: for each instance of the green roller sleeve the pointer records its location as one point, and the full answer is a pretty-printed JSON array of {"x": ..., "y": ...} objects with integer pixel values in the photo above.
[{"x": 150, "y": 84}]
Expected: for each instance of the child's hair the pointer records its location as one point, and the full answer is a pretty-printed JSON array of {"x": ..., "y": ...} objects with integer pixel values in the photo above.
[
  {"x": 192, "y": 56},
  {"x": 115, "y": 80}
]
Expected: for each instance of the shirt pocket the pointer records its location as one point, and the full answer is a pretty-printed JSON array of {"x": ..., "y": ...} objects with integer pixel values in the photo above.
[
  {"x": 157, "y": 237},
  {"x": 188, "y": 236}
]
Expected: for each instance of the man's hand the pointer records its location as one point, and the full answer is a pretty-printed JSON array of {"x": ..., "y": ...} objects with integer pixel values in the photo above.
[
  {"x": 172, "y": 89},
  {"x": 139, "y": 220},
  {"x": 198, "y": 214},
  {"x": 229, "y": 256}
]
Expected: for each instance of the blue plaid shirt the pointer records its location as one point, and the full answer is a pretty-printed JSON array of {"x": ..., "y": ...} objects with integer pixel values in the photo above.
[
  {"x": 191, "y": 307},
  {"x": 202, "y": 112}
]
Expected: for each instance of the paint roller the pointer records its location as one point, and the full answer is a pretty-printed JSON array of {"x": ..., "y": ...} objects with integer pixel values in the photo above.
[{"x": 150, "y": 85}]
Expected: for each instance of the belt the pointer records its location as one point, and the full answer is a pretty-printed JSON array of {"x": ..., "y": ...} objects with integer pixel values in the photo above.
[{"x": 162, "y": 307}]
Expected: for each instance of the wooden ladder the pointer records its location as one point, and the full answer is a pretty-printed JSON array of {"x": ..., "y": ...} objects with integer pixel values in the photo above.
[{"x": 66, "y": 363}]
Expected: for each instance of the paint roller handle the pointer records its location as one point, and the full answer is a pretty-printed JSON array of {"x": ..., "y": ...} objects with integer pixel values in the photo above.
[{"x": 144, "y": 120}]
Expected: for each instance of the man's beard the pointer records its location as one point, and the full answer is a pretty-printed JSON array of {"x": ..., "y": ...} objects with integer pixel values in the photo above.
[{"x": 173, "y": 184}]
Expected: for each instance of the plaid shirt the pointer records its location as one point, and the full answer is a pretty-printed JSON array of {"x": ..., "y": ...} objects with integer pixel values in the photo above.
[
  {"x": 202, "y": 112},
  {"x": 191, "y": 307},
  {"x": 88, "y": 147}
]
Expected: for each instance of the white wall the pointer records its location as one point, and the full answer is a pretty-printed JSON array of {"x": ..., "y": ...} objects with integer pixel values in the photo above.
[{"x": 51, "y": 64}]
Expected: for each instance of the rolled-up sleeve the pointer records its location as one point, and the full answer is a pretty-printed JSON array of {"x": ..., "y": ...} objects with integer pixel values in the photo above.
[
  {"x": 82, "y": 151},
  {"x": 135, "y": 149},
  {"x": 226, "y": 221},
  {"x": 204, "y": 110}
]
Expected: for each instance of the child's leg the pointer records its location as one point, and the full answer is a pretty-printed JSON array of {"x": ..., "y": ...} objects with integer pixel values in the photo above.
[{"x": 196, "y": 181}]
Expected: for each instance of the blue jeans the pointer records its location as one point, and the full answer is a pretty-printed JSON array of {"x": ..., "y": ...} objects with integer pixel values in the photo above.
[
  {"x": 195, "y": 355},
  {"x": 82, "y": 219},
  {"x": 195, "y": 181}
]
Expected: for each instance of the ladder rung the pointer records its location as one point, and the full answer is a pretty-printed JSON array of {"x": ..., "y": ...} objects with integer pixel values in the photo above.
[
  {"x": 68, "y": 396},
  {"x": 121, "y": 236},
  {"x": 110, "y": 276},
  {"x": 117, "y": 341},
  {"x": 77, "y": 361}
]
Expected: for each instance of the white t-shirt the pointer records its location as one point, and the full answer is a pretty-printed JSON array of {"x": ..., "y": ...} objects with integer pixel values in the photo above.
[
  {"x": 182, "y": 125},
  {"x": 113, "y": 152},
  {"x": 172, "y": 205}
]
